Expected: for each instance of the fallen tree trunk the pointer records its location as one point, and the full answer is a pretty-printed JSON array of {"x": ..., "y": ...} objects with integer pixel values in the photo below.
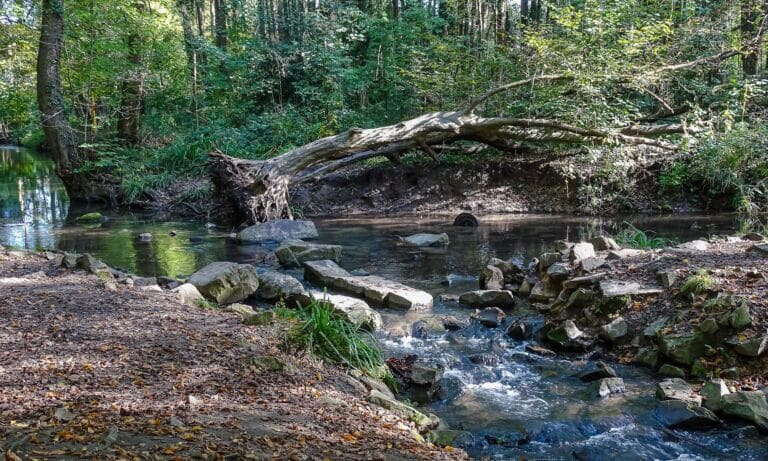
[{"x": 259, "y": 188}]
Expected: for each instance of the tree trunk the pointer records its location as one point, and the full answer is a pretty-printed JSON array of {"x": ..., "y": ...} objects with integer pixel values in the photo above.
[
  {"x": 129, "y": 121},
  {"x": 395, "y": 9},
  {"x": 222, "y": 35},
  {"x": 750, "y": 10},
  {"x": 59, "y": 135},
  {"x": 190, "y": 47}
]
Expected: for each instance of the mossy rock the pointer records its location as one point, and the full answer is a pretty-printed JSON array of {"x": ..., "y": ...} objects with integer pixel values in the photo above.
[{"x": 90, "y": 218}]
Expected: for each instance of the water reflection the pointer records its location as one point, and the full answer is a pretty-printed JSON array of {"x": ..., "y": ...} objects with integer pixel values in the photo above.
[{"x": 33, "y": 201}]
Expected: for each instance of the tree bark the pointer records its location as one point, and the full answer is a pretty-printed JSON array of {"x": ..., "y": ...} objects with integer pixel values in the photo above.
[
  {"x": 132, "y": 101},
  {"x": 59, "y": 134},
  {"x": 750, "y": 10},
  {"x": 222, "y": 34}
]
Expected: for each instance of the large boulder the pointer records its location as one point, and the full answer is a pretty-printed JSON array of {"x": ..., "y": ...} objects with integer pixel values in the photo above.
[
  {"x": 274, "y": 286},
  {"x": 356, "y": 311},
  {"x": 682, "y": 349},
  {"x": 293, "y": 253},
  {"x": 188, "y": 294},
  {"x": 278, "y": 230},
  {"x": 748, "y": 405},
  {"x": 426, "y": 240},
  {"x": 226, "y": 282},
  {"x": 685, "y": 415},
  {"x": 488, "y": 298}
]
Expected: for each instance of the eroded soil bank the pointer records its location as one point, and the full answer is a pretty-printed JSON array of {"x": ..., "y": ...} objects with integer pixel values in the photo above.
[{"x": 90, "y": 370}]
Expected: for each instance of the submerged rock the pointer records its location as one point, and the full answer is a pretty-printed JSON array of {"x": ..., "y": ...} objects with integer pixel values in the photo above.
[
  {"x": 491, "y": 317},
  {"x": 90, "y": 218},
  {"x": 452, "y": 323},
  {"x": 293, "y": 253},
  {"x": 519, "y": 331},
  {"x": 278, "y": 230},
  {"x": 226, "y": 282},
  {"x": 427, "y": 240},
  {"x": 488, "y": 298},
  {"x": 685, "y": 415}
]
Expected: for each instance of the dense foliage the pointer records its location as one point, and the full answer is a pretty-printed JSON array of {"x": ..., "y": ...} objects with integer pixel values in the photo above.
[{"x": 257, "y": 77}]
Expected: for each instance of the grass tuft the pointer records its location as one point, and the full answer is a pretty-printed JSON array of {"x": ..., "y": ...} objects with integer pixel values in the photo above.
[
  {"x": 698, "y": 284},
  {"x": 633, "y": 237}
]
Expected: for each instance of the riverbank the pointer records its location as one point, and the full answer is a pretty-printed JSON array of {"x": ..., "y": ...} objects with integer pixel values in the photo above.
[{"x": 110, "y": 371}]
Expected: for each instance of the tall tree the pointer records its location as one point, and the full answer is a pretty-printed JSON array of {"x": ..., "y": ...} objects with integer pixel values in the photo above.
[
  {"x": 750, "y": 12},
  {"x": 132, "y": 101},
  {"x": 59, "y": 134},
  {"x": 222, "y": 34}
]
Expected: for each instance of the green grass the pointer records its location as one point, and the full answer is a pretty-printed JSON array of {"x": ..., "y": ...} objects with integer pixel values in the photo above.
[
  {"x": 698, "y": 284},
  {"x": 633, "y": 237},
  {"x": 331, "y": 337},
  {"x": 206, "y": 305}
]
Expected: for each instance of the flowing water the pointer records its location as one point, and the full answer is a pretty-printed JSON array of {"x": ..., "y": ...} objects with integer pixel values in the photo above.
[{"x": 524, "y": 407}]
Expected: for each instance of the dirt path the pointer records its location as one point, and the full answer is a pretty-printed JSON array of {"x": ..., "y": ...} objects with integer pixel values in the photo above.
[{"x": 88, "y": 373}]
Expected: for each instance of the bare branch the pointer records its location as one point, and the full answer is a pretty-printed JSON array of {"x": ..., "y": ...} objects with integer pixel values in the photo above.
[{"x": 543, "y": 78}]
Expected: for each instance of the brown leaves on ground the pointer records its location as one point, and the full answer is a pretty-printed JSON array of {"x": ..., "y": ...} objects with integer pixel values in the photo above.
[{"x": 87, "y": 373}]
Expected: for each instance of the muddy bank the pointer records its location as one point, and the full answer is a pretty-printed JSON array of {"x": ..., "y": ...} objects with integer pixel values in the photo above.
[{"x": 89, "y": 368}]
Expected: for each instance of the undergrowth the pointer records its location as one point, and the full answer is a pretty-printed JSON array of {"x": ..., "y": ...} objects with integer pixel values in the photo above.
[
  {"x": 633, "y": 237},
  {"x": 698, "y": 284}
]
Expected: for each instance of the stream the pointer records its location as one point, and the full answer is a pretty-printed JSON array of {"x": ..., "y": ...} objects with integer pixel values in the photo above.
[{"x": 527, "y": 406}]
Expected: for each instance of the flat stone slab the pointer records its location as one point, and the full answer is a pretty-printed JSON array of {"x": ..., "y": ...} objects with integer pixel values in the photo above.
[
  {"x": 623, "y": 254},
  {"x": 294, "y": 253},
  {"x": 616, "y": 288},
  {"x": 374, "y": 289},
  {"x": 278, "y": 230},
  {"x": 676, "y": 389},
  {"x": 426, "y": 240},
  {"x": 488, "y": 298},
  {"x": 586, "y": 281}
]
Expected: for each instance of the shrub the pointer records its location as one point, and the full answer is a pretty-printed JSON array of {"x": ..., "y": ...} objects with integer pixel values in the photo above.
[
  {"x": 698, "y": 284},
  {"x": 633, "y": 237}
]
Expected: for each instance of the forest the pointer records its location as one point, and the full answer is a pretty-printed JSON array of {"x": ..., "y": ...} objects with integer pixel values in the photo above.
[{"x": 134, "y": 95}]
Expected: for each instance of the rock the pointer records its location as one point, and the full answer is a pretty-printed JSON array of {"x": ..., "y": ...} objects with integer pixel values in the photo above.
[
  {"x": 274, "y": 286},
  {"x": 682, "y": 349},
  {"x": 356, "y": 311},
  {"x": 667, "y": 278},
  {"x": 423, "y": 375},
  {"x": 491, "y": 316},
  {"x": 712, "y": 393},
  {"x": 491, "y": 278},
  {"x": 752, "y": 347},
  {"x": 580, "y": 299},
  {"x": 748, "y": 405},
  {"x": 623, "y": 254},
  {"x": 618, "y": 288},
  {"x": 652, "y": 330},
  {"x": 188, "y": 294},
  {"x": 242, "y": 310},
  {"x": 374, "y": 289},
  {"x": 558, "y": 272},
  {"x": 614, "y": 331},
  {"x": 271, "y": 363},
  {"x": 448, "y": 388},
  {"x": 581, "y": 250},
  {"x": 564, "y": 335},
  {"x": 466, "y": 220},
  {"x": 525, "y": 288},
  {"x": 671, "y": 371},
  {"x": 537, "y": 349},
  {"x": 519, "y": 331},
  {"x": 264, "y": 317},
  {"x": 451, "y": 438},
  {"x": 145, "y": 237},
  {"x": 607, "y": 386},
  {"x": 63, "y": 414},
  {"x": 226, "y": 282},
  {"x": 761, "y": 248},
  {"x": 678, "y": 414},
  {"x": 488, "y": 298},
  {"x": 676, "y": 389},
  {"x": 707, "y": 327},
  {"x": 422, "y": 421},
  {"x": 603, "y": 243},
  {"x": 426, "y": 240},
  {"x": 151, "y": 288},
  {"x": 754, "y": 237},
  {"x": 508, "y": 268},
  {"x": 647, "y": 357},
  {"x": 488, "y": 360},
  {"x": 90, "y": 264},
  {"x": 596, "y": 370},
  {"x": 740, "y": 317},
  {"x": 69, "y": 261},
  {"x": 169, "y": 283},
  {"x": 543, "y": 292},
  {"x": 694, "y": 245},
  {"x": 293, "y": 253},
  {"x": 144, "y": 281},
  {"x": 591, "y": 264},
  {"x": 451, "y": 323},
  {"x": 547, "y": 259},
  {"x": 90, "y": 218},
  {"x": 730, "y": 373},
  {"x": 278, "y": 230},
  {"x": 427, "y": 327}
]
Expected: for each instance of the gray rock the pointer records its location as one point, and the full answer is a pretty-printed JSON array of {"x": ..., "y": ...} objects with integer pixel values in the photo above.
[
  {"x": 525, "y": 288},
  {"x": 278, "y": 230},
  {"x": 754, "y": 237},
  {"x": 452, "y": 438},
  {"x": 449, "y": 388},
  {"x": 427, "y": 240},
  {"x": 356, "y": 311},
  {"x": 694, "y": 245},
  {"x": 740, "y": 317},
  {"x": 676, "y": 389},
  {"x": 144, "y": 281},
  {"x": 274, "y": 286},
  {"x": 491, "y": 278},
  {"x": 422, "y": 421},
  {"x": 581, "y": 251},
  {"x": 748, "y": 405},
  {"x": 614, "y": 331},
  {"x": 618, "y": 288},
  {"x": 595, "y": 371},
  {"x": 508, "y": 268},
  {"x": 712, "y": 393},
  {"x": 488, "y": 360},
  {"x": 564, "y": 334},
  {"x": 580, "y": 299},
  {"x": 327, "y": 274},
  {"x": 69, "y": 261},
  {"x": 188, "y": 294},
  {"x": 586, "y": 281},
  {"x": 603, "y": 243},
  {"x": 451, "y": 323},
  {"x": 761, "y": 248},
  {"x": 667, "y": 278},
  {"x": 676, "y": 414},
  {"x": 591, "y": 264},
  {"x": 652, "y": 330},
  {"x": 519, "y": 331},
  {"x": 608, "y": 386},
  {"x": 293, "y": 253},
  {"x": 226, "y": 282},
  {"x": 488, "y": 298},
  {"x": 682, "y": 349},
  {"x": 708, "y": 327},
  {"x": 491, "y": 316},
  {"x": 647, "y": 357},
  {"x": 427, "y": 327},
  {"x": 624, "y": 254},
  {"x": 423, "y": 375},
  {"x": 558, "y": 272},
  {"x": 90, "y": 264},
  {"x": 547, "y": 259},
  {"x": 752, "y": 347},
  {"x": 543, "y": 292},
  {"x": 671, "y": 371}
]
